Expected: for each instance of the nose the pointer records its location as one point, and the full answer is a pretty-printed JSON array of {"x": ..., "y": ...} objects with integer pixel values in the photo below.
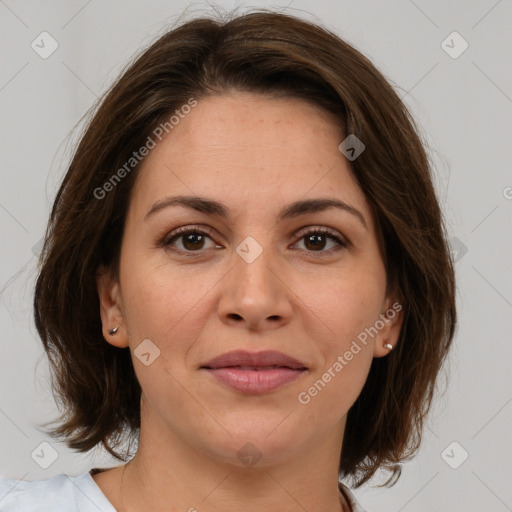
[{"x": 255, "y": 295}]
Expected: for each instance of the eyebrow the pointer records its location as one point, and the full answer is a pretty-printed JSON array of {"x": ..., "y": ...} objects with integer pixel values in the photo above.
[{"x": 293, "y": 210}]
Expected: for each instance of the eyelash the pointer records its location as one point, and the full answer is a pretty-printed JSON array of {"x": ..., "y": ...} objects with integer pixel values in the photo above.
[{"x": 185, "y": 230}]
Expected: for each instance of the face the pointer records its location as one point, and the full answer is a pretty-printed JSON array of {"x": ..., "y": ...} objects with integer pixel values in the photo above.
[{"x": 253, "y": 275}]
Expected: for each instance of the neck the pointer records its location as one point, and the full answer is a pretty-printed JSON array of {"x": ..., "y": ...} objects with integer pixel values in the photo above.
[{"x": 168, "y": 474}]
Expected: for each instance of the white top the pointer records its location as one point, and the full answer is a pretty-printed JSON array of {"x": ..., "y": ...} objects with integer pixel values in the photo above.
[{"x": 63, "y": 493}]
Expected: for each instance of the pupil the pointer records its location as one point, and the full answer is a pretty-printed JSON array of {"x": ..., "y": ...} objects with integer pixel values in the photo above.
[
  {"x": 193, "y": 239},
  {"x": 315, "y": 241}
]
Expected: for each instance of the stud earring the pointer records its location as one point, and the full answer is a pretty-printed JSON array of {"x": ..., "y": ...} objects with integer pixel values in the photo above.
[
  {"x": 388, "y": 346},
  {"x": 113, "y": 331}
]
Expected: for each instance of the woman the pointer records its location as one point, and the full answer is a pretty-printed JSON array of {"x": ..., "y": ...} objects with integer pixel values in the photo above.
[{"x": 246, "y": 274}]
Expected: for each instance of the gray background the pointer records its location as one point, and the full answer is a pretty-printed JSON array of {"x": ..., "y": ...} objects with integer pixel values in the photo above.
[{"x": 464, "y": 107}]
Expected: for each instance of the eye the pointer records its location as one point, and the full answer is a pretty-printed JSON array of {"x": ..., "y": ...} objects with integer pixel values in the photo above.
[
  {"x": 316, "y": 240},
  {"x": 191, "y": 239}
]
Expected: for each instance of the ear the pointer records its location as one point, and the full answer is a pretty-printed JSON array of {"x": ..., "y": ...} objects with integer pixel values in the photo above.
[
  {"x": 111, "y": 308},
  {"x": 390, "y": 323}
]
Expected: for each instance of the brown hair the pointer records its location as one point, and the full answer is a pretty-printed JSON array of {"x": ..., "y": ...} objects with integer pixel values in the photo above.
[{"x": 269, "y": 53}]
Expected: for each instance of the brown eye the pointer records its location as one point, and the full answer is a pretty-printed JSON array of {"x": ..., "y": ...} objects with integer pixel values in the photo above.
[
  {"x": 315, "y": 241},
  {"x": 193, "y": 241},
  {"x": 188, "y": 239},
  {"x": 318, "y": 239}
]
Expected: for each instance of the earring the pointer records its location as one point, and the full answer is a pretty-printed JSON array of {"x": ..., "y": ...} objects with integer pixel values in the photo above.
[
  {"x": 113, "y": 331},
  {"x": 388, "y": 346}
]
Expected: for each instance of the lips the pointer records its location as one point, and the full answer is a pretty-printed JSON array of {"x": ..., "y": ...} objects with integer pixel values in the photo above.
[
  {"x": 269, "y": 359},
  {"x": 254, "y": 373}
]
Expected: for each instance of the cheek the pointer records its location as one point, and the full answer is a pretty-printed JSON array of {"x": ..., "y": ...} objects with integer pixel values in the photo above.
[
  {"x": 345, "y": 305},
  {"x": 166, "y": 304},
  {"x": 346, "y": 353},
  {"x": 331, "y": 390},
  {"x": 166, "y": 309},
  {"x": 341, "y": 313}
]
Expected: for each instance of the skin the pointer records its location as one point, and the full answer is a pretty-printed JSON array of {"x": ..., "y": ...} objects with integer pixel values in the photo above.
[{"x": 256, "y": 154}]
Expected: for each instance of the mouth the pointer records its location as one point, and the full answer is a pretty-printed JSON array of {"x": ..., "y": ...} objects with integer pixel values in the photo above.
[
  {"x": 253, "y": 368},
  {"x": 254, "y": 373},
  {"x": 267, "y": 359}
]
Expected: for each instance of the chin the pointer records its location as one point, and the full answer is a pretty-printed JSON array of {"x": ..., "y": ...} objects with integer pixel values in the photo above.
[{"x": 253, "y": 444}]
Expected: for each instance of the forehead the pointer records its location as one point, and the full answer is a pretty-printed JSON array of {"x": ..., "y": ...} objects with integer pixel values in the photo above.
[{"x": 250, "y": 149}]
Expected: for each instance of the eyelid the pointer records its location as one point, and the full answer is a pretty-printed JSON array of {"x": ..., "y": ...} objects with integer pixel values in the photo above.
[
  {"x": 321, "y": 229},
  {"x": 340, "y": 239},
  {"x": 183, "y": 230}
]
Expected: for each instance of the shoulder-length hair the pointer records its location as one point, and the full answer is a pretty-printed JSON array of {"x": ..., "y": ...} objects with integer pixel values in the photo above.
[{"x": 265, "y": 53}]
